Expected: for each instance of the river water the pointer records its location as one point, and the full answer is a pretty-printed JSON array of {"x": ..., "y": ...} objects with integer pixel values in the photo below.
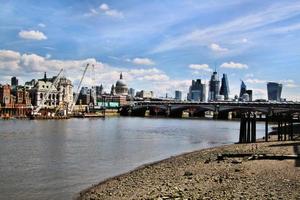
[{"x": 57, "y": 159}]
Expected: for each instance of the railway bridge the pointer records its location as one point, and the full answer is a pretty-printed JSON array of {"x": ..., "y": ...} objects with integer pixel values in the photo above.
[{"x": 284, "y": 114}]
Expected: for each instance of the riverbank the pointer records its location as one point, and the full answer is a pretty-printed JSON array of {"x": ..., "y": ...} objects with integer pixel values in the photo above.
[{"x": 201, "y": 175}]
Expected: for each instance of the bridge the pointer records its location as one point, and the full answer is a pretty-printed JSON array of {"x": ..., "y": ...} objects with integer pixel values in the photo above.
[{"x": 284, "y": 114}]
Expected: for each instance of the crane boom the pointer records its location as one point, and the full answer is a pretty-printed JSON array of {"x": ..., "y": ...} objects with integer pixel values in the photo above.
[
  {"x": 78, "y": 88},
  {"x": 54, "y": 83}
]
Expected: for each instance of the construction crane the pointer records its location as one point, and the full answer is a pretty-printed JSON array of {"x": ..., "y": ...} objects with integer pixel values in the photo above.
[
  {"x": 78, "y": 89},
  {"x": 54, "y": 83}
]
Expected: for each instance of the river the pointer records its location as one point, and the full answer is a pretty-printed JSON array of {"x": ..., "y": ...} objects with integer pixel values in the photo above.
[{"x": 56, "y": 159}]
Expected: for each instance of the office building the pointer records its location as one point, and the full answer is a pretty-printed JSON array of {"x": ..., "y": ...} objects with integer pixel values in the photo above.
[
  {"x": 274, "y": 91},
  {"x": 197, "y": 91},
  {"x": 243, "y": 89},
  {"x": 14, "y": 81},
  {"x": 214, "y": 87},
  {"x": 178, "y": 95},
  {"x": 224, "y": 87},
  {"x": 131, "y": 92}
]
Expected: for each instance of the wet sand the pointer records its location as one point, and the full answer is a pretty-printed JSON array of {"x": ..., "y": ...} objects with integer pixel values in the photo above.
[{"x": 201, "y": 175}]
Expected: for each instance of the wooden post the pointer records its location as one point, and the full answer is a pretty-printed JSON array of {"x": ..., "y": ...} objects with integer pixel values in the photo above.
[
  {"x": 267, "y": 129},
  {"x": 241, "y": 129},
  {"x": 292, "y": 129},
  {"x": 248, "y": 128},
  {"x": 285, "y": 130},
  {"x": 253, "y": 129},
  {"x": 279, "y": 128}
]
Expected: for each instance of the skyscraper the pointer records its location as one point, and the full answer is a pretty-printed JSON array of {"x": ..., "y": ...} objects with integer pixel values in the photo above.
[
  {"x": 274, "y": 91},
  {"x": 243, "y": 89},
  {"x": 14, "y": 81},
  {"x": 178, "y": 95},
  {"x": 131, "y": 92},
  {"x": 197, "y": 91},
  {"x": 225, "y": 87},
  {"x": 214, "y": 87}
]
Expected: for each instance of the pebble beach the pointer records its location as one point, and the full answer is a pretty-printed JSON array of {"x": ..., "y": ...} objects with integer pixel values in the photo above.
[{"x": 207, "y": 174}]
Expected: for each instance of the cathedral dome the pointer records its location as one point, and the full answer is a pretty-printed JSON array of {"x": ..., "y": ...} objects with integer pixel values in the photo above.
[
  {"x": 121, "y": 83},
  {"x": 121, "y": 87}
]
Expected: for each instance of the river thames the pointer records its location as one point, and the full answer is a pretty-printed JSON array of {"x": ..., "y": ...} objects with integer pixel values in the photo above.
[{"x": 57, "y": 159}]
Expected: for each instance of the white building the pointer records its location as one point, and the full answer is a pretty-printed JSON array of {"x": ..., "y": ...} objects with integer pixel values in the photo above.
[{"x": 60, "y": 94}]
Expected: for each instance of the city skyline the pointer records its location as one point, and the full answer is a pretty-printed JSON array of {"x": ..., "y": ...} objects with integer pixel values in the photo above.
[{"x": 182, "y": 41}]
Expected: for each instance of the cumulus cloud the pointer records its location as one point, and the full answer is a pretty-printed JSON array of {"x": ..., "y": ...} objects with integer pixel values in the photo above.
[
  {"x": 204, "y": 67},
  {"x": 104, "y": 7},
  {"x": 25, "y": 65},
  {"x": 217, "y": 48},
  {"x": 233, "y": 65},
  {"x": 32, "y": 35},
  {"x": 155, "y": 77},
  {"x": 9, "y": 60},
  {"x": 106, "y": 10},
  {"x": 142, "y": 61}
]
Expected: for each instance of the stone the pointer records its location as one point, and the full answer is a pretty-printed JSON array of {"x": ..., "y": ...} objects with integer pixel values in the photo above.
[{"x": 188, "y": 173}]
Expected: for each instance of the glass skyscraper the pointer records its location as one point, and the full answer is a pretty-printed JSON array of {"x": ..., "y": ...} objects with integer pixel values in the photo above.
[
  {"x": 224, "y": 87},
  {"x": 243, "y": 89},
  {"x": 197, "y": 91},
  {"x": 274, "y": 91},
  {"x": 214, "y": 87},
  {"x": 178, "y": 95}
]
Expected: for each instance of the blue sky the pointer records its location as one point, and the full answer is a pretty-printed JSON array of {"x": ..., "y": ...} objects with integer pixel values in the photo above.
[{"x": 158, "y": 45}]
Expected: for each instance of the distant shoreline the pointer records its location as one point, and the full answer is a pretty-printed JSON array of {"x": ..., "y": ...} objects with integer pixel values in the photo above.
[{"x": 168, "y": 177}]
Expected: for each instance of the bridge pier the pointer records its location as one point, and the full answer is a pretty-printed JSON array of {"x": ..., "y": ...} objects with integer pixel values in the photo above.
[
  {"x": 138, "y": 112},
  {"x": 157, "y": 112},
  {"x": 224, "y": 115}
]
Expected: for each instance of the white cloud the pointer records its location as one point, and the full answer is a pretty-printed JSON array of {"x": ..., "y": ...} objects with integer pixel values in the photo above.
[
  {"x": 244, "y": 25},
  {"x": 233, "y": 65},
  {"x": 289, "y": 83},
  {"x": 255, "y": 81},
  {"x": 106, "y": 10},
  {"x": 32, "y": 35},
  {"x": 28, "y": 66},
  {"x": 217, "y": 48},
  {"x": 204, "y": 67},
  {"x": 155, "y": 77},
  {"x": 114, "y": 13},
  {"x": 9, "y": 60},
  {"x": 104, "y": 7},
  {"x": 143, "y": 61}
]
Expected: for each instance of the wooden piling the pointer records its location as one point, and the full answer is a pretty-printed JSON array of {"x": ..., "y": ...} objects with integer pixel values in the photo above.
[{"x": 267, "y": 128}]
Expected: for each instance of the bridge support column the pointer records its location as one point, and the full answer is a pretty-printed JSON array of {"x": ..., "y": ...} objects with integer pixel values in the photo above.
[
  {"x": 267, "y": 128},
  {"x": 215, "y": 115},
  {"x": 291, "y": 129}
]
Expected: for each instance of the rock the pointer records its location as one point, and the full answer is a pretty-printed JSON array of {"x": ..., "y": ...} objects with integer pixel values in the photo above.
[
  {"x": 236, "y": 161},
  {"x": 220, "y": 157},
  {"x": 187, "y": 173}
]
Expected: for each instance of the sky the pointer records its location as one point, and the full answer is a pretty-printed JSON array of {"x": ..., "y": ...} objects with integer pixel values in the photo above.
[{"x": 158, "y": 45}]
